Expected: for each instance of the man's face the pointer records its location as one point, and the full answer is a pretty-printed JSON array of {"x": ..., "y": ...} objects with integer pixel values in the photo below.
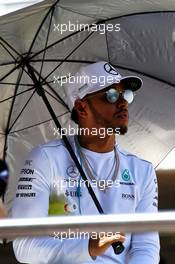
[{"x": 109, "y": 115}]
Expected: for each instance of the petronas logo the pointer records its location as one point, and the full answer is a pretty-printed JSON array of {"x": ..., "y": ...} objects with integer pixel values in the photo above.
[{"x": 126, "y": 175}]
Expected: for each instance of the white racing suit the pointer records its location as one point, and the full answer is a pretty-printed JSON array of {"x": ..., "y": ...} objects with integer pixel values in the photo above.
[{"x": 43, "y": 190}]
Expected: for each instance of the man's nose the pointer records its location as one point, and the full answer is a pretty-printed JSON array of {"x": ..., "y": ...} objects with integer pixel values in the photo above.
[{"x": 122, "y": 103}]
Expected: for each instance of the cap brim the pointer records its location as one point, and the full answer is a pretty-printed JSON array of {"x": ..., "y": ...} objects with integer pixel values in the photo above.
[{"x": 132, "y": 82}]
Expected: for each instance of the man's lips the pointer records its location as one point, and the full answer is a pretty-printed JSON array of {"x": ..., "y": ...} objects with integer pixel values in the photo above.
[{"x": 122, "y": 114}]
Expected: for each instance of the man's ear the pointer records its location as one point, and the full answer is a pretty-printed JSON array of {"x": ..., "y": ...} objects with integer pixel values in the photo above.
[{"x": 81, "y": 108}]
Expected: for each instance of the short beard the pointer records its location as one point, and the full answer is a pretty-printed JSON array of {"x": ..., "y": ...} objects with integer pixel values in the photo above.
[{"x": 123, "y": 130}]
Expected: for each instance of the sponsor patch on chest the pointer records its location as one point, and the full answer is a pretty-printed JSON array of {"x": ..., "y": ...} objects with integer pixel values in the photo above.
[{"x": 128, "y": 196}]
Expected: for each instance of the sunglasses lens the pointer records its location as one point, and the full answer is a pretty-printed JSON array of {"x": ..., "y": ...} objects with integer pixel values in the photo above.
[
  {"x": 112, "y": 96},
  {"x": 128, "y": 96}
]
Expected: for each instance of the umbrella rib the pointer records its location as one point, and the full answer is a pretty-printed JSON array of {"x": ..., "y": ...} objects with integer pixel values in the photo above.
[
  {"x": 22, "y": 110},
  {"x": 47, "y": 83},
  {"x": 6, "y": 99},
  {"x": 8, "y": 51},
  {"x": 10, "y": 72},
  {"x": 68, "y": 55},
  {"x": 23, "y": 106},
  {"x": 60, "y": 40},
  {"x": 56, "y": 60},
  {"x": 139, "y": 13},
  {"x": 7, "y": 63},
  {"x": 10, "y": 112},
  {"x": 52, "y": 7},
  {"x": 20, "y": 84},
  {"x": 53, "y": 96},
  {"x": 145, "y": 74},
  {"x": 47, "y": 38},
  {"x": 12, "y": 48},
  {"x": 22, "y": 129}
]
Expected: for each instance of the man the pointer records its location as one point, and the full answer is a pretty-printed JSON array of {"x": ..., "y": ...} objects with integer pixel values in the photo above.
[{"x": 122, "y": 182}]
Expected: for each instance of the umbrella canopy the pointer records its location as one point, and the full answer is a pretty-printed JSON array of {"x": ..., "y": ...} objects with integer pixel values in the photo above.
[{"x": 48, "y": 40}]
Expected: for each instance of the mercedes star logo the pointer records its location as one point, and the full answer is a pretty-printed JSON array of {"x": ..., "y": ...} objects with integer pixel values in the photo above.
[
  {"x": 110, "y": 69},
  {"x": 72, "y": 171}
]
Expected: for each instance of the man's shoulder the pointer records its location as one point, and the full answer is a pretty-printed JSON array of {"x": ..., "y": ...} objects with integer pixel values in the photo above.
[
  {"x": 133, "y": 157},
  {"x": 54, "y": 145}
]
